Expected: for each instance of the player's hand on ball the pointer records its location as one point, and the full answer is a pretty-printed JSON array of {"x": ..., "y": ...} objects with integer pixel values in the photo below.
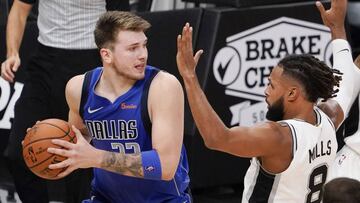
[
  {"x": 27, "y": 130},
  {"x": 79, "y": 155},
  {"x": 38, "y": 139}
]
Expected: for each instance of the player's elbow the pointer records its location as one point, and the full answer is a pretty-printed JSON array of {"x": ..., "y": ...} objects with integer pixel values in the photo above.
[
  {"x": 168, "y": 173},
  {"x": 214, "y": 137},
  {"x": 169, "y": 167},
  {"x": 214, "y": 145},
  {"x": 213, "y": 141},
  {"x": 210, "y": 143}
]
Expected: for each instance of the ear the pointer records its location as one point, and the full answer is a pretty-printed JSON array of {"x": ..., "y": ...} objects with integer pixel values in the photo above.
[
  {"x": 293, "y": 94},
  {"x": 106, "y": 55}
]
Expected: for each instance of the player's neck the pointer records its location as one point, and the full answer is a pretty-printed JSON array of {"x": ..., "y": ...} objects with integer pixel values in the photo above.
[
  {"x": 304, "y": 112},
  {"x": 112, "y": 85}
]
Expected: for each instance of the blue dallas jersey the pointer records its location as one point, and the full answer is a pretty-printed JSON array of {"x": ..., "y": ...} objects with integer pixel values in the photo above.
[{"x": 124, "y": 126}]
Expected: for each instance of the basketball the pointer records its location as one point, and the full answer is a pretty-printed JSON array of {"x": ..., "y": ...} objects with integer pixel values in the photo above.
[{"x": 36, "y": 142}]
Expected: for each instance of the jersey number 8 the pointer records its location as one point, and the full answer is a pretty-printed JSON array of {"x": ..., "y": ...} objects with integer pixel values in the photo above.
[{"x": 316, "y": 181}]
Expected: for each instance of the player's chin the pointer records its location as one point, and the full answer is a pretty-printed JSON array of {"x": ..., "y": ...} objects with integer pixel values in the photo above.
[
  {"x": 139, "y": 73},
  {"x": 137, "y": 76}
]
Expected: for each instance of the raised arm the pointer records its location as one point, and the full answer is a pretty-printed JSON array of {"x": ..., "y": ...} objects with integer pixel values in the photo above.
[
  {"x": 14, "y": 33},
  {"x": 334, "y": 18},
  {"x": 263, "y": 140}
]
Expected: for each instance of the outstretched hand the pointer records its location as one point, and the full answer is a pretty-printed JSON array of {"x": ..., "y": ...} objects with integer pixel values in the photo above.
[
  {"x": 186, "y": 61},
  {"x": 334, "y": 18},
  {"x": 79, "y": 155}
]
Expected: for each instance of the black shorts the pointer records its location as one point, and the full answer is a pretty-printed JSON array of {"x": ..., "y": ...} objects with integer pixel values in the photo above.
[{"x": 43, "y": 96}]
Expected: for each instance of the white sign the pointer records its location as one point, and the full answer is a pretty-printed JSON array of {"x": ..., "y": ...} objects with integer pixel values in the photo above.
[
  {"x": 246, "y": 61},
  {"x": 7, "y": 102}
]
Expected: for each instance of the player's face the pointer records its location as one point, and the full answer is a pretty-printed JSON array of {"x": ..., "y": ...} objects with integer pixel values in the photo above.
[
  {"x": 274, "y": 96},
  {"x": 276, "y": 110},
  {"x": 130, "y": 54}
]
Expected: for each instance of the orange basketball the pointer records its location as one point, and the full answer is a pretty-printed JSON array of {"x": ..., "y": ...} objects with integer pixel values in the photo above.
[{"x": 36, "y": 142}]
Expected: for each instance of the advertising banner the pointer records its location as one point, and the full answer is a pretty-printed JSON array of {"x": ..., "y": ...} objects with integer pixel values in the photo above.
[{"x": 241, "y": 47}]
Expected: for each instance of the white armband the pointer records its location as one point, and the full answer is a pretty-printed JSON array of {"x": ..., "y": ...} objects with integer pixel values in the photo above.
[{"x": 350, "y": 83}]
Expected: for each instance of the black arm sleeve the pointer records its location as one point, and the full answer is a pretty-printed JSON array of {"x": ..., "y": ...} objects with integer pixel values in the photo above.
[
  {"x": 29, "y": 1},
  {"x": 112, "y": 5}
]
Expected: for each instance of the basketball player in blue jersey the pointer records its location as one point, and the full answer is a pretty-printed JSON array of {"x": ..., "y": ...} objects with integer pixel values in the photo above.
[
  {"x": 294, "y": 149},
  {"x": 134, "y": 115}
]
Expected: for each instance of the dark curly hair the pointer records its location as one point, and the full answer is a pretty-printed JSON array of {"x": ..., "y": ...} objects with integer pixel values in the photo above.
[{"x": 318, "y": 79}]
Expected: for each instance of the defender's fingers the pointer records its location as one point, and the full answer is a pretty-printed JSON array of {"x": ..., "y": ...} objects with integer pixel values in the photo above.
[
  {"x": 184, "y": 30},
  {"x": 190, "y": 34},
  {"x": 198, "y": 55},
  {"x": 320, "y": 7},
  {"x": 188, "y": 41},
  {"x": 184, "y": 36},
  {"x": 179, "y": 45}
]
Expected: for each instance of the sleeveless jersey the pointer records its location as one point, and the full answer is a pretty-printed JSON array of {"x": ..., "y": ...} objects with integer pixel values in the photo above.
[
  {"x": 347, "y": 162},
  {"x": 124, "y": 126},
  {"x": 314, "y": 149}
]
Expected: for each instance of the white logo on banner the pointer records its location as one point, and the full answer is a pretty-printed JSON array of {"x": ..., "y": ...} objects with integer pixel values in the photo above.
[
  {"x": 246, "y": 61},
  {"x": 7, "y": 101}
]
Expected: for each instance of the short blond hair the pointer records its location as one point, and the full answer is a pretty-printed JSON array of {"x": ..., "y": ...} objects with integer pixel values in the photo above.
[{"x": 112, "y": 22}]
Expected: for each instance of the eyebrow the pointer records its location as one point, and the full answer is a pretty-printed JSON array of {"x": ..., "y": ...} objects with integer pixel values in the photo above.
[{"x": 136, "y": 43}]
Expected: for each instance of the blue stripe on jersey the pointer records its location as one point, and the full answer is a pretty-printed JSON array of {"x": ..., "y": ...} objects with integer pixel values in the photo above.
[{"x": 121, "y": 126}]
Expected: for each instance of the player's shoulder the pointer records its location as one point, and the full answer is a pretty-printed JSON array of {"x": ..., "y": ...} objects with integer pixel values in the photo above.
[
  {"x": 165, "y": 80},
  {"x": 278, "y": 129},
  {"x": 74, "y": 86},
  {"x": 274, "y": 126},
  {"x": 75, "y": 81},
  {"x": 166, "y": 88},
  {"x": 164, "y": 76}
]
